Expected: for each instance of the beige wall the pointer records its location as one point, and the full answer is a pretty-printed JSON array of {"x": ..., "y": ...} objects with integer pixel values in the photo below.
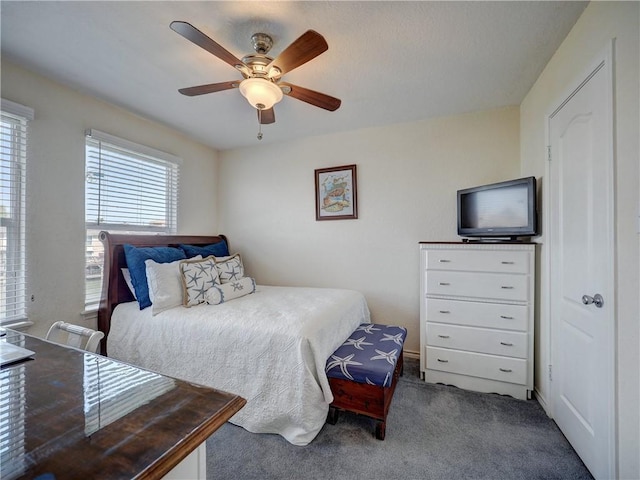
[
  {"x": 601, "y": 22},
  {"x": 407, "y": 181},
  {"x": 55, "y": 186}
]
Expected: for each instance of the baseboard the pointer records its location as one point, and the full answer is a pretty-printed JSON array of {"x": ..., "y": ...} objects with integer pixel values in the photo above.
[
  {"x": 412, "y": 354},
  {"x": 543, "y": 402}
]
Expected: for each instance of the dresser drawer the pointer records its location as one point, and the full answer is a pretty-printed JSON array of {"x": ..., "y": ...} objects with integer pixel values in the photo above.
[
  {"x": 477, "y": 314},
  {"x": 496, "y": 286},
  {"x": 504, "y": 369},
  {"x": 499, "y": 261},
  {"x": 480, "y": 340}
]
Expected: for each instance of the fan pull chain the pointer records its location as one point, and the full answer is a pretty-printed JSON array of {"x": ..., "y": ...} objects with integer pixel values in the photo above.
[{"x": 259, "y": 124}]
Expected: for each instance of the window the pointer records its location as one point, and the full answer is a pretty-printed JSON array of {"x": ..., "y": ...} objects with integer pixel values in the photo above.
[
  {"x": 13, "y": 159},
  {"x": 130, "y": 188}
]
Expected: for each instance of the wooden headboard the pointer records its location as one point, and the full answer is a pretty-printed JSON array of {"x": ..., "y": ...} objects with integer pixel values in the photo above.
[{"x": 114, "y": 288}]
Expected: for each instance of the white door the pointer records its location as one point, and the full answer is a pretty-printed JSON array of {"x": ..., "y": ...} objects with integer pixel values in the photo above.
[{"x": 581, "y": 252}]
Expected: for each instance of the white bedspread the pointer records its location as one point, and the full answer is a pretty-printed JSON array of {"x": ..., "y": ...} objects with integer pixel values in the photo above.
[{"x": 269, "y": 347}]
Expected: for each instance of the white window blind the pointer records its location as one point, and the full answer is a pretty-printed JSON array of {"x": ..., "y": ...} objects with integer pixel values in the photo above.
[
  {"x": 129, "y": 188},
  {"x": 13, "y": 159}
]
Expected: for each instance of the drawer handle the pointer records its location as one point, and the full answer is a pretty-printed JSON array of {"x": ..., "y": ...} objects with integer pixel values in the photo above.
[
  {"x": 506, "y": 344},
  {"x": 444, "y": 260},
  {"x": 506, "y": 317},
  {"x": 506, "y": 370},
  {"x": 445, "y": 311},
  {"x": 443, "y": 361},
  {"x": 443, "y": 336},
  {"x": 507, "y": 263},
  {"x": 444, "y": 284},
  {"x": 506, "y": 287}
]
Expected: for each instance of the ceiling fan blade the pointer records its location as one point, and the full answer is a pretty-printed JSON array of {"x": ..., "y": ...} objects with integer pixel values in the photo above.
[
  {"x": 267, "y": 116},
  {"x": 194, "y": 35},
  {"x": 209, "y": 88},
  {"x": 307, "y": 47},
  {"x": 312, "y": 97}
]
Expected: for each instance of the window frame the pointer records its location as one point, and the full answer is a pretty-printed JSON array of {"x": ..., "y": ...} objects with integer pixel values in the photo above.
[
  {"x": 119, "y": 150},
  {"x": 14, "y": 291}
]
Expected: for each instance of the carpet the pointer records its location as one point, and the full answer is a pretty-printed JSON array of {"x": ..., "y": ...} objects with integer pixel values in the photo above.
[{"x": 433, "y": 432}]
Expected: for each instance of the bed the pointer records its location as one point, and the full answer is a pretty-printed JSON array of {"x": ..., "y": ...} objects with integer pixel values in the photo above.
[{"x": 269, "y": 347}]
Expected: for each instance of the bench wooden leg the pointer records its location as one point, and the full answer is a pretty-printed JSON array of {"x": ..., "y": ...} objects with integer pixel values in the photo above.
[
  {"x": 332, "y": 417},
  {"x": 381, "y": 427}
]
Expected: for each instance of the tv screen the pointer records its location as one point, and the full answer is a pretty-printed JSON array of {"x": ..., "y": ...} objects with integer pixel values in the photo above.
[{"x": 504, "y": 209}]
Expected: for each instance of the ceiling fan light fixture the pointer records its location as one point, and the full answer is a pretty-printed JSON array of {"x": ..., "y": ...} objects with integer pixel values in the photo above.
[{"x": 260, "y": 93}]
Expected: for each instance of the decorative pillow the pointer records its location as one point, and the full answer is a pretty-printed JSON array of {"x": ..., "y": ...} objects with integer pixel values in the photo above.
[
  {"x": 198, "y": 276},
  {"x": 136, "y": 256},
  {"x": 230, "y": 268},
  {"x": 127, "y": 280},
  {"x": 219, "y": 249},
  {"x": 165, "y": 284},
  {"x": 228, "y": 291}
]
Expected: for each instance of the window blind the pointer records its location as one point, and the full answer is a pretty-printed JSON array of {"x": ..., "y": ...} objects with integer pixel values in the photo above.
[
  {"x": 14, "y": 120},
  {"x": 129, "y": 188}
]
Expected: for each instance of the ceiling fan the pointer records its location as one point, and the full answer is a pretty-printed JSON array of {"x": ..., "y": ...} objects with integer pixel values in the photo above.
[{"x": 262, "y": 85}]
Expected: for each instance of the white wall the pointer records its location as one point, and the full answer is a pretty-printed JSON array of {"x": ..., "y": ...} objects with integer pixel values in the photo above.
[
  {"x": 55, "y": 186},
  {"x": 407, "y": 180},
  {"x": 601, "y": 22}
]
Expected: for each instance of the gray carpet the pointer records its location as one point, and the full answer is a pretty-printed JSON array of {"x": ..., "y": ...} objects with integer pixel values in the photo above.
[{"x": 433, "y": 432}]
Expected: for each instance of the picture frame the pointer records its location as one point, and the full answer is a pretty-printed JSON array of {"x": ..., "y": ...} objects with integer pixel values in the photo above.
[{"x": 336, "y": 193}]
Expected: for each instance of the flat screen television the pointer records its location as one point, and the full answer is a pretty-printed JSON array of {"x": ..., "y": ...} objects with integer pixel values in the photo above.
[{"x": 504, "y": 210}]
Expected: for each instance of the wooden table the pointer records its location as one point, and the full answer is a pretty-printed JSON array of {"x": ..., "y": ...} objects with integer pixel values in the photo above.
[{"x": 78, "y": 415}]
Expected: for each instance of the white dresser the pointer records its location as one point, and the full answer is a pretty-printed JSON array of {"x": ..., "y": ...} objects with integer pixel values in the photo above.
[{"x": 476, "y": 316}]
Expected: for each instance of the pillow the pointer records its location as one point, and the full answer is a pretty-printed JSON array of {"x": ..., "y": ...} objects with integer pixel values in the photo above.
[
  {"x": 198, "y": 276},
  {"x": 228, "y": 291},
  {"x": 136, "y": 256},
  {"x": 219, "y": 249},
  {"x": 230, "y": 268},
  {"x": 165, "y": 284},
  {"x": 127, "y": 280}
]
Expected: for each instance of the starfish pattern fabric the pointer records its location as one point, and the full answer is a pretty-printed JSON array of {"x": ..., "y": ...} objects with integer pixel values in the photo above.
[
  {"x": 369, "y": 355},
  {"x": 390, "y": 357},
  {"x": 198, "y": 276},
  {"x": 398, "y": 339},
  {"x": 229, "y": 291},
  {"x": 368, "y": 328},
  {"x": 343, "y": 363},
  {"x": 358, "y": 343},
  {"x": 230, "y": 268}
]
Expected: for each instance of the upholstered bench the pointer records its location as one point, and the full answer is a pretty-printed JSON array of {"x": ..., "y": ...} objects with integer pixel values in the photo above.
[{"x": 363, "y": 373}]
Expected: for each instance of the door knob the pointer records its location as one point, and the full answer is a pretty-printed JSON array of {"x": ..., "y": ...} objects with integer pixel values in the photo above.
[{"x": 597, "y": 300}]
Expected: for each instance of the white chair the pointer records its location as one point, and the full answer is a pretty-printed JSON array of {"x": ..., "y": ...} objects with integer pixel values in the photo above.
[{"x": 75, "y": 336}]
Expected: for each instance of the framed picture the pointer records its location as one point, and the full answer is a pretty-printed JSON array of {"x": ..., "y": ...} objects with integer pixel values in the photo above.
[{"x": 336, "y": 193}]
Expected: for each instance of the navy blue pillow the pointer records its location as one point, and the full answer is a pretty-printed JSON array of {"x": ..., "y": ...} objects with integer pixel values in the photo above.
[
  {"x": 136, "y": 257},
  {"x": 219, "y": 249}
]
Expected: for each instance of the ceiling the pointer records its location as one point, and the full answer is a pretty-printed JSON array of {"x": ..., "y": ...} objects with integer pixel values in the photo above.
[{"x": 389, "y": 62}]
